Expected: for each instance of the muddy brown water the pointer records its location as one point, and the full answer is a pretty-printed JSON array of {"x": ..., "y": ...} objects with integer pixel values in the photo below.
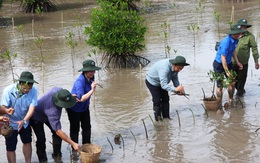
[{"x": 124, "y": 103}]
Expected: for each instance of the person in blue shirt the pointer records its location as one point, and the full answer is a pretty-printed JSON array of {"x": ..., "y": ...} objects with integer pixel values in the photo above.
[
  {"x": 22, "y": 98},
  {"x": 158, "y": 82},
  {"x": 48, "y": 111},
  {"x": 223, "y": 60},
  {"x": 79, "y": 114}
]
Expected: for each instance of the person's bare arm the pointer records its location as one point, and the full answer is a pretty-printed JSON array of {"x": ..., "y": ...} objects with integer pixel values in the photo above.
[
  {"x": 26, "y": 118},
  {"x": 6, "y": 110},
  {"x": 64, "y": 137}
]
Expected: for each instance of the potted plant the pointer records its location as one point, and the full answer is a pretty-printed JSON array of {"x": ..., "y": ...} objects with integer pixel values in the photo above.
[{"x": 214, "y": 102}]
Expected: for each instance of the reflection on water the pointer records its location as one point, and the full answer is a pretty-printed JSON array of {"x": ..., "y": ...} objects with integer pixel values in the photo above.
[{"x": 124, "y": 102}]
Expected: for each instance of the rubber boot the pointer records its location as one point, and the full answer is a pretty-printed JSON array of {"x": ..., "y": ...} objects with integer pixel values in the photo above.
[
  {"x": 166, "y": 110},
  {"x": 42, "y": 156},
  {"x": 157, "y": 113},
  {"x": 56, "y": 144}
]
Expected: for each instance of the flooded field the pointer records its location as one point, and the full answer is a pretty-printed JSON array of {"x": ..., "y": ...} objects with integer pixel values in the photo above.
[{"x": 124, "y": 104}]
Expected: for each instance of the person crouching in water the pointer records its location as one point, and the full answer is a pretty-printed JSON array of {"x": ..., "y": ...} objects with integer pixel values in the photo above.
[{"x": 158, "y": 82}]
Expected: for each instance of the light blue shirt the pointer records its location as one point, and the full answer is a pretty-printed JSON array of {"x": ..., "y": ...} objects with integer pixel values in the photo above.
[
  {"x": 226, "y": 48},
  {"x": 160, "y": 75},
  {"x": 22, "y": 103}
]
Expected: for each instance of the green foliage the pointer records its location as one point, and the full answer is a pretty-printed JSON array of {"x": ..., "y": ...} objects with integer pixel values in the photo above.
[
  {"x": 7, "y": 55},
  {"x": 215, "y": 76},
  {"x": 1, "y": 3},
  {"x": 201, "y": 6},
  {"x": 165, "y": 27},
  {"x": 217, "y": 18},
  {"x": 115, "y": 29},
  {"x": 20, "y": 28},
  {"x": 20, "y": 93},
  {"x": 71, "y": 42},
  {"x": 194, "y": 27},
  {"x": 38, "y": 41}
]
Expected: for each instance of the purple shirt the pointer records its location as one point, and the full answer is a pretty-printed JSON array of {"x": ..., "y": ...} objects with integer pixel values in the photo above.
[{"x": 47, "y": 111}]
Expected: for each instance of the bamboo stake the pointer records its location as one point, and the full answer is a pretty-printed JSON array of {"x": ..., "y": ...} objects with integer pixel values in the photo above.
[
  {"x": 193, "y": 116},
  {"x": 13, "y": 22},
  {"x": 62, "y": 20},
  {"x": 232, "y": 15},
  {"x": 33, "y": 28},
  {"x": 123, "y": 142},
  {"x": 178, "y": 118},
  {"x": 134, "y": 137},
  {"x": 205, "y": 110},
  {"x": 110, "y": 145},
  {"x": 145, "y": 130}
]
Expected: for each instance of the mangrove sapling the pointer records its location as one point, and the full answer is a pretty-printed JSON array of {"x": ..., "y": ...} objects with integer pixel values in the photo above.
[
  {"x": 19, "y": 93},
  {"x": 72, "y": 44},
  {"x": 174, "y": 6},
  {"x": 39, "y": 42},
  {"x": 20, "y": 27},
  {"x": 118, "y": 45},
  {"x": 110, "y": 145},
  {"x": 167, "y": 48},
  {"x": 78, "y": 25},
  {"x": 7, "y": 55},
  {"x": 217, "y": 18},
  {"x": 200, "y": 8},
  {"x": 178, "y": 118},
  {"x": 194, "y": 28},
  {"x": 145, "y": 130}
]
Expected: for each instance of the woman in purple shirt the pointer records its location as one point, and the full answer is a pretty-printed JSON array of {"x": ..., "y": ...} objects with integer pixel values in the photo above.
[{"x": 83, "y": 88}]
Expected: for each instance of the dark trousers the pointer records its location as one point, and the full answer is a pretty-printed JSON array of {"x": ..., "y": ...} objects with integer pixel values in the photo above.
[
  {"x": 159, "y": 95},
  {"x": 38, "y": 128},
  {"x": 218, "y": 67},
  {"x": 78, "y": 119},
  {"x": 241, "y": 77}
]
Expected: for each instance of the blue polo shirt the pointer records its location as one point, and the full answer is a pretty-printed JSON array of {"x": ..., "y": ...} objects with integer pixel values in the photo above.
[
  {"x": 22, "y": 104},
  {"x": 81, "y": 86},
  {"x": 160, "y": 75},
  {"x": 47, "y": 111},
  {"x": 226, "y": 48}
]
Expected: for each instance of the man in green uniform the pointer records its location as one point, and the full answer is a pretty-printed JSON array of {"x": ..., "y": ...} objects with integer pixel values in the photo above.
[{"x": 246, "y": 41}]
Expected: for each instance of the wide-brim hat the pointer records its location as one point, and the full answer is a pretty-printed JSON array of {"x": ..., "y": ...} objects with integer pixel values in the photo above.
[
  {"x": 179, "y": 60},
  {"x": 235, "y": 29},
  {"x": 27, "y": 77},
  {"x": 63, "y": 99},
  {"x": 89, "y": 65},
  {"x": 243, "y": 22}
]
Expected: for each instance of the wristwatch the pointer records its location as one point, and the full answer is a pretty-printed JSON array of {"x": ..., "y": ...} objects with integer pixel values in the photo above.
[{"x": 24, "y": 121}]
